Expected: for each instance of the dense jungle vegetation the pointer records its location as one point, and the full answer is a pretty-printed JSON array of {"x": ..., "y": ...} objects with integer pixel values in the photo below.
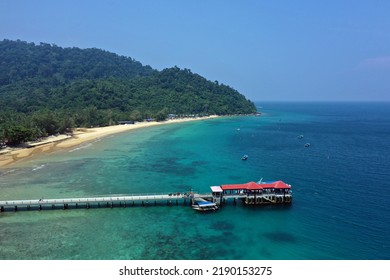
[{"x": 46, "y": 89}]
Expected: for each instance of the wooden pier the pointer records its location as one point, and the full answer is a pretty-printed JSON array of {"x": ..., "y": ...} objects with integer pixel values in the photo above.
[
  {"x": 100, "y": 202},
  {"x": 249, "y": 193}
]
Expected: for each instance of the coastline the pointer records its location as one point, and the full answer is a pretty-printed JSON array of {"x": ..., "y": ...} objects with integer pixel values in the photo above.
[{"x": 80, "y": 135}]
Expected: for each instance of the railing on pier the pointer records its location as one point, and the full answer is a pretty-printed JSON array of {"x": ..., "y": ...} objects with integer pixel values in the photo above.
[
  {"x": 256, "y": 198},
  {"x": 122, "y": 200}
]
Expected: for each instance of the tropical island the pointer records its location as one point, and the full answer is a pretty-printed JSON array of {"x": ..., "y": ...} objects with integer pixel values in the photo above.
[{"x": 49, "y": 90}]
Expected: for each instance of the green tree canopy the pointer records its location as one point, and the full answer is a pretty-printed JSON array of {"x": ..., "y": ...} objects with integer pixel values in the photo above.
[{"x": 46, "y": 89}]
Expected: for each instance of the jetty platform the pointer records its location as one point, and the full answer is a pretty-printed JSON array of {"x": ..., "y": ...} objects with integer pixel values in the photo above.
[
  {"x": 250, "y": 193},
  {"x": 100, "y": 201}
]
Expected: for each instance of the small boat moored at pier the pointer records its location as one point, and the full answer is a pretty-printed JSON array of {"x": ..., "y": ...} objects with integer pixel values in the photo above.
[{"x": 204, "y": 205}]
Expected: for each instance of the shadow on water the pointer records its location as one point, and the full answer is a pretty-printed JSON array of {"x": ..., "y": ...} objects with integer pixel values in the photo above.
[
  {"x": 222, "y": 226},
  {"x": 280, "y": 236}
]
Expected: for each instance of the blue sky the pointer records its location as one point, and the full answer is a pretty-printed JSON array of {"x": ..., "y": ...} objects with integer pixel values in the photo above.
[{"x": 267, "y": 50}]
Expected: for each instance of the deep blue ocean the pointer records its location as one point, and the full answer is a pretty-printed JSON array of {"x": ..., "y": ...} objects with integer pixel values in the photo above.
[{"x": 341, "y": 189}]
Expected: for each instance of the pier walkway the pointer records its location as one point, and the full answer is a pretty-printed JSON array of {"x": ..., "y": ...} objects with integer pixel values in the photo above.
[
  {"x": 250, "y": 193},
  {"x": 99, "y": 201},
  {"x": 134, "y": 200}
]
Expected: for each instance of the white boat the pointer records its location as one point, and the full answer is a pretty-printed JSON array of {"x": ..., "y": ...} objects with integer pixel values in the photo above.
[
  {"x": 244, "y": 157},
  {"x": 204, "y": 205}
]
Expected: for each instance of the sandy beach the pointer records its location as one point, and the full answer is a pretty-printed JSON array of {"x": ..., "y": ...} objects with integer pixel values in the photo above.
[{"x": 10, "y": 156}]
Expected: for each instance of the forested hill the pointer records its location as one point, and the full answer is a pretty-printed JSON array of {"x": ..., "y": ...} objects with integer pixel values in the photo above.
[
  {"x": 46, "y": 89},
  {"x": 21, "y": 60}
]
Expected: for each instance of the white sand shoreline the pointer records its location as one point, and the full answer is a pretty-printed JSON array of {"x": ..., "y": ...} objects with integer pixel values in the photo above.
[{"x": 80, "y": 136}]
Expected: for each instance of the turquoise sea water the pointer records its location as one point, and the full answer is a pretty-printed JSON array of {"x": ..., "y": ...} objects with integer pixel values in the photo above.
[{"x": 340, "y": 184}]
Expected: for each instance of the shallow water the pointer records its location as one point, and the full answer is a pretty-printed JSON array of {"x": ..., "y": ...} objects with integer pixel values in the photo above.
[{"x": 340, "y": 185}]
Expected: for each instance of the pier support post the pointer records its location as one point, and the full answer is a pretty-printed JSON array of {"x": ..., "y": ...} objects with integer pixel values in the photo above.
[
  {"x": 143, "y": 204},
  {"x": 155, "y": 203},
  {"x": 124, "y": 204},
  {"x": 16, "y": 208},
  {"x": 112, "y": 205},
  {"x": 40, "y": 207},
  {"x": 28, "y": 207},
  {"x": 177, "y": 202},
  {"x": 2, "y": 209},
  {"x": 87, "y": 205},
  {"x": 53, "y": 206}
]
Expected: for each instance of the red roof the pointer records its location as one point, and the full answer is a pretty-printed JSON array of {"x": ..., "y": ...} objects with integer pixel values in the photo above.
[
  {"x": 236, "y": 186},
  {"x": 281, "y": 185},
  {"x": 256, "y": 186}
]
